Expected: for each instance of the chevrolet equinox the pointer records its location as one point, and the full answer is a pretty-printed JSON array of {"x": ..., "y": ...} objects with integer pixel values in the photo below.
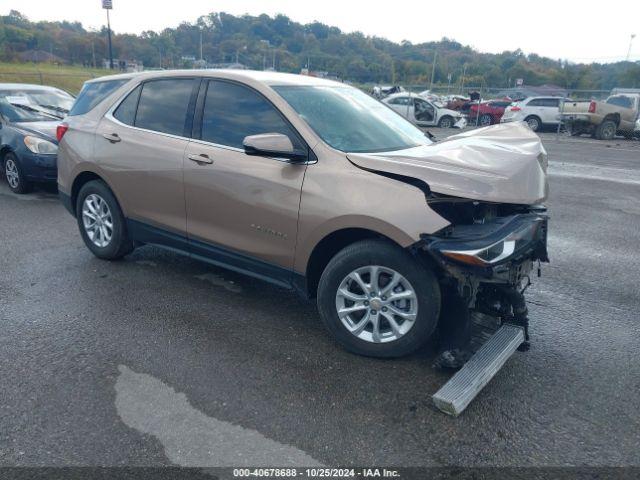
[{"x": 315, "y": 186}]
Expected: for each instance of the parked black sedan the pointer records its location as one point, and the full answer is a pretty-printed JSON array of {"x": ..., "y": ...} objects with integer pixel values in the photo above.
[{"x": 29, "y": 116}]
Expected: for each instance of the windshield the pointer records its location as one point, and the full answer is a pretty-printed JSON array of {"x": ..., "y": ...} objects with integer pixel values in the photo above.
[
  {"x": 23, "y": 113},
  {"x": 350, "y": 120},
  {"x": 57, "y": 101}
]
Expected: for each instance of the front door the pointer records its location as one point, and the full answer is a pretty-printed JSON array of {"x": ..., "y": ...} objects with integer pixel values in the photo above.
[
  {"x": 241, "y": 209},
  {"x": 425, "y": 113}
]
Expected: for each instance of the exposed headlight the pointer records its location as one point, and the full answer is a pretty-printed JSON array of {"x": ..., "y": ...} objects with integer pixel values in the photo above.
[
  {"x": 40, "y": 145},
  {"x": 498, "y": 251}
]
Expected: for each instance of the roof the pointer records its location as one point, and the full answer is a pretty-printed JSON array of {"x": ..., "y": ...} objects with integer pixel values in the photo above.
[
  {"x": 266, "y": 77},
  {"x": 403, "y": 94}
]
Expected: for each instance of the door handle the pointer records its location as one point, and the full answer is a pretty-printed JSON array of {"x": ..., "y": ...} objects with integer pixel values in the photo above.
[
  {"x": 112, "y": 137},
  {"x": 201, "y": 158}
]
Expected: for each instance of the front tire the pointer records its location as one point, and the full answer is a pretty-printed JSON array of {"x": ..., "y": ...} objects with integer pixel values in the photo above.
[
  {"x": 377, "y": 300},
  {"x": 101, "y": 222},
  {"x": 14, "y": 175},
  {"x": 445, "y": 122}
]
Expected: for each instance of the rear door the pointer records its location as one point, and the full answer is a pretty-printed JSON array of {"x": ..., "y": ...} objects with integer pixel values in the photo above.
[
  {"x": 550, "y": 110},
  {"x": 241, "y": 209},
  {"x": 404, "y": 106},
  {"x": 141, "y": 145}
]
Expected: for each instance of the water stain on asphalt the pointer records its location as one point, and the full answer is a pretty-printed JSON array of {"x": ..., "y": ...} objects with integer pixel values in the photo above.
[
  {"x": 218, "y": 281},
  {"x": 191, "y": 438}
]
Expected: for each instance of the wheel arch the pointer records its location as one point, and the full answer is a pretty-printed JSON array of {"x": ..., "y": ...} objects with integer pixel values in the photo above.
[
  {"x": 4, "y": 149},
  {"x": 329, "y": 246},
  {"x": 79, "y": 181},
  {"x": 615, "y": 117}
]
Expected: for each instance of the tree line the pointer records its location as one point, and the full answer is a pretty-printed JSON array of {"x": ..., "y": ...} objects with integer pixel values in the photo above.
[{"x": 262, "y": 42}]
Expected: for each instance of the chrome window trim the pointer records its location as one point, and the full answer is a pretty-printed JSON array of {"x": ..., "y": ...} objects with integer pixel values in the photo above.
[{"x": 110, "y": 117}]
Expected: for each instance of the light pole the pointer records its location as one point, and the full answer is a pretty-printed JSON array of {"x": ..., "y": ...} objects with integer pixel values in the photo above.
[
  {"x": 433, "y": 69},
  {"x": 633, "y": 35},
  {"x": 108, "y": 5}
]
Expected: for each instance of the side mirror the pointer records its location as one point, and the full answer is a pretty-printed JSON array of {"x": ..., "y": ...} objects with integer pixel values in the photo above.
[{"x": 272, "y": 145}]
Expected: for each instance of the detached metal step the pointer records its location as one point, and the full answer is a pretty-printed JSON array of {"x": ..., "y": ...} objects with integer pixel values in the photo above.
[{"x": 463, "y": 387}]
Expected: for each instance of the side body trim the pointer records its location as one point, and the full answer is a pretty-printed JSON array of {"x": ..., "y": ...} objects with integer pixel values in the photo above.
[{"x": 210, "y": 253}]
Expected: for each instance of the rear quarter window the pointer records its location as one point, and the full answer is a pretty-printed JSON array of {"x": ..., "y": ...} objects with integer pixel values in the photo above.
[{"x": 92, "y": 94}]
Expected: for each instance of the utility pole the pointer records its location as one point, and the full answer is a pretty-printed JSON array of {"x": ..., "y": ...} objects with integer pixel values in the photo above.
[
  {"x": 273, "y": 62},
  {"x": 108, "y": 5},
  {"x": 633, "y": 35},
  {"x": 201, "y": 43},
  {"x": 433, "y": 69},
  {"x": 464, "y": 71}
]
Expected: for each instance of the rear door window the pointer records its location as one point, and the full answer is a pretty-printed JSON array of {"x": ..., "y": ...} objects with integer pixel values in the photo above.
[
  {"x": 233, "y": 112},
  {"x": 164, "y": 104},
  {"x": 93, "y": 93},
  {"x": 399, "y": 101}
]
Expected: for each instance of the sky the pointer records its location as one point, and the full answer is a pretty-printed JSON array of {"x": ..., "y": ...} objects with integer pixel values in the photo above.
[{"x": 574, "y": 30}]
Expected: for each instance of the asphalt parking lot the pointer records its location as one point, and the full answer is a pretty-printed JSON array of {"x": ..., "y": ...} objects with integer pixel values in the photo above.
[{"x": 160, "y": 360}]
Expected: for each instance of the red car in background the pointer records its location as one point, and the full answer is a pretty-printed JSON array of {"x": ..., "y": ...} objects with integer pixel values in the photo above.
[{"x": 490, "y": 112}]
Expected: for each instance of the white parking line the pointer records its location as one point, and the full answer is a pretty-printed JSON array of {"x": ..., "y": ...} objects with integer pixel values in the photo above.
[{"x": 189, "y": 437}]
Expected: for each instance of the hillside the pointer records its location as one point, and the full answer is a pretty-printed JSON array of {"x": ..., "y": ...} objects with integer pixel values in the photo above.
[{"x": 260, "y": 41}]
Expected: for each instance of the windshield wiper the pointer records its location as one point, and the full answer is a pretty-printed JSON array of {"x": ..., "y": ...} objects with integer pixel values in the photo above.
[
  {"x": 54, "y": 107},
  {"x": 37, "y": 110}
]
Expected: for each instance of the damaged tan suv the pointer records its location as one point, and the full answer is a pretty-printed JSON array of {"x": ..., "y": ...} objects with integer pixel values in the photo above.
[{"x": 314, "y": 186}]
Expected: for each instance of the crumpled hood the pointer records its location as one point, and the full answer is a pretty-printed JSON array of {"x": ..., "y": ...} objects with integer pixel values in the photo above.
[{"x": 503, "y": 163}]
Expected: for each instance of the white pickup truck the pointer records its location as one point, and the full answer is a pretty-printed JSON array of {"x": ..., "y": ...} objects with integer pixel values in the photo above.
[{"x": 603, "y": 120}]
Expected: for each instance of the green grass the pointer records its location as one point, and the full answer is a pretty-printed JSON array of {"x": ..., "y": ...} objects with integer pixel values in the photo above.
[{"x": 69, "y": 78}]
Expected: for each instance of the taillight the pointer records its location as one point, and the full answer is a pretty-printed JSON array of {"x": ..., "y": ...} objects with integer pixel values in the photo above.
[
  {"x": 592, "y": 107},
  {"x": 61, "y": 130},
  {"x": 515, "y": 109}
]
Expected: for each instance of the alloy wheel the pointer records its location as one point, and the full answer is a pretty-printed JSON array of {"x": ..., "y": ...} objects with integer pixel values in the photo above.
[
  {"x": 97, "y": 220},
  {"x": 533, "y": 124},
  {"x": 376, "y": 304},
  {"x": 12, "y": 174}
]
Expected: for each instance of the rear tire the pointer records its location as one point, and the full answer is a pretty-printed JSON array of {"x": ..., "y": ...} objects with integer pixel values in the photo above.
[
  {"x": 606, "y": 130},
  {"x": 402, "y": 276},
  {"x": 101, "y": 222},
  {"x": 14, "y": 175},
  {"x": 534, "y": 123}
]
